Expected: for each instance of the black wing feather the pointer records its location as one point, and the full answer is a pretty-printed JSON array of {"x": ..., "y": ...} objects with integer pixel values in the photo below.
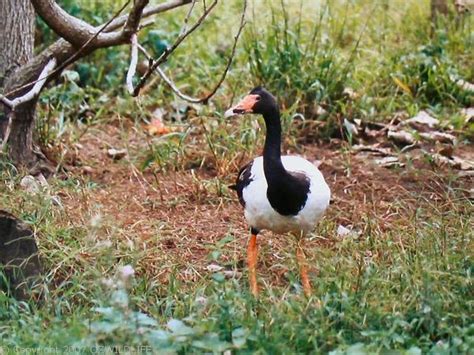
[{"x": 243, "y": 179}]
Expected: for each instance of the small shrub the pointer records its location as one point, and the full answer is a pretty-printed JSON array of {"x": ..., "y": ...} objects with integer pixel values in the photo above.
[
  {"x": 300, "y": 62},
  {"x": 429, "y": 74}
]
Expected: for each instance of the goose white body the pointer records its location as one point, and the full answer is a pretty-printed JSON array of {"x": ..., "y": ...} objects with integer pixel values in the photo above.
[{"x": 261, "y": 215}]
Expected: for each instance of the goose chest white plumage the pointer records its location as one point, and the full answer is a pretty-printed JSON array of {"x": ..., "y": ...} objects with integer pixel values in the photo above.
[{"x": 261, "y": 215}]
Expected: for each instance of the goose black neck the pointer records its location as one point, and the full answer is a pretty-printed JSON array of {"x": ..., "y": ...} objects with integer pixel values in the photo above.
[{"x": 272, "y": 165}]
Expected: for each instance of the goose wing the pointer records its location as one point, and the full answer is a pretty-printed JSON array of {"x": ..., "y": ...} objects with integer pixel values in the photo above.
[{"x": 243, "y": 179}]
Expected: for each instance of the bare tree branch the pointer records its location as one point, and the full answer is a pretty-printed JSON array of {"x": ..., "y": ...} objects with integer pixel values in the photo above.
[
  {"x": 206, "y": 98},
  {"x": 78, "y": 32},
  {"x": 186, "y": 19},
  {"x": 149, "y": 11},
  {"x": 72, "y": 29},
  {"x": 170, "y": 82},
  {"x": 35, "y": 90},
  {"x": 164, "y": 56},
  {"x": 38, "y": 85},
  {"x": 133, "y": 62},
  {"x": 8, "y": 103},
  {"x": 231, "y": 57},
  {"x": 133, "y": 21},
  {"x": 66, "y": 54},
  {"x": 30, "y": 95}
]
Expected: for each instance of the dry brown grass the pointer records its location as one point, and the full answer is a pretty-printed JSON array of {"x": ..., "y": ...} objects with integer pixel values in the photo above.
[{"x": 175, "y": 218}]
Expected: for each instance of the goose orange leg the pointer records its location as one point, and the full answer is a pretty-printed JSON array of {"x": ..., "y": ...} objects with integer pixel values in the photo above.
[
  {"x": 252, "y": 254},
  {"x": 303, "y": 268}
]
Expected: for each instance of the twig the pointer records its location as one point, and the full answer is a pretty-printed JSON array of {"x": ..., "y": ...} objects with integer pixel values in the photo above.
[
  {"x": 146, "y": 23},
  {"x": 5, "y": 101},
  {"x": 206, "y": 98},
  {"x": 169, "y": 81},
  {"x": 133, "y": 62},
  {"x": 186, "y": 19},
  {"x": 231, "y": 57},
  {"x": 164, "y": 56},
  {"x": 150, "y": 11},
  {"x": 35, "y": 90}
]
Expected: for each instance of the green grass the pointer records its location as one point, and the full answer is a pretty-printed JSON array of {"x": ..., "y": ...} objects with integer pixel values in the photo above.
[{"x": 405, "y": 288}]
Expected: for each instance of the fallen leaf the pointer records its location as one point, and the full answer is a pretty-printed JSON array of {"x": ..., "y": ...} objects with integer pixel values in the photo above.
[
  {"x": 464, "y": 164},
  {"x": 422, "y": 119},
  {"x": 350, "y": 127},
  {"x": 87, "y": 170},
  {"x": 230, "y": 274},
  {"x": 30, "y": 184},
  {"x": 446, "y": 150},
  {"x": 389, "y": 162},
  {"x": 466, "y": 174},
  {"x": 465, "y": 85},
  {"x": 350, "y": 93},
  {"x": 57, "y": 201},
  {"x": 116, "y": 154},
  {"x": 439, "y": 137},
  {"x": 42, "y": 180},
  {"x": 156, "y": 127},
  {"x": 342, "y": 231},
  {"x": 468, "y": 114},
  {"x": 319, "y": 110},
  {"x": 158, "y": 114},
  {"x": 372, "y": 133},
  {"x": 347, "y": 232},
  {"x": 401, "y": 137},
  {"x": 372, "y": 148},
  {"x": 214, "y": 268},
  {"x": 454, "y": 162}
]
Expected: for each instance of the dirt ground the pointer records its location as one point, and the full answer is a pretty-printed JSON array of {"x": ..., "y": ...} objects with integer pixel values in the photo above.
[{"x": 177, "y": 217}]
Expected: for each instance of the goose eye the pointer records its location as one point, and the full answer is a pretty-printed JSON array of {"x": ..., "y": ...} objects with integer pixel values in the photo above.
[{"x": 257, "y": 98}]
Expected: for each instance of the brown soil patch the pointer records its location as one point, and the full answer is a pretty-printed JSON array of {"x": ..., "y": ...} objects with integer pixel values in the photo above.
[{"x": 176, "y": 218}]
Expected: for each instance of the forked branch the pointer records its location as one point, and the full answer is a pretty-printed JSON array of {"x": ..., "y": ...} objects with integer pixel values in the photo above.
[
  {"x": 206, "y": 98},
  {"x": 113, "y": 38},
  {"x": 133, "y": 63},
  {"x": 30, "y": 95},
  {"x": 164, "y": 56},
  {"x": 35, "y": 90}
]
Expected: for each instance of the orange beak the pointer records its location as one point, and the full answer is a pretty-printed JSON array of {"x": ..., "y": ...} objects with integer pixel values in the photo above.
[{"x": 244, "y": 106}]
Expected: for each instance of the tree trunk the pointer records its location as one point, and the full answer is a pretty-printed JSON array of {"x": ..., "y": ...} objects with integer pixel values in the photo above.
[
  {"x": 20, "y": 142},
  {"x": 17, "y": 23},
  {"x": 19, "y": 69}
]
